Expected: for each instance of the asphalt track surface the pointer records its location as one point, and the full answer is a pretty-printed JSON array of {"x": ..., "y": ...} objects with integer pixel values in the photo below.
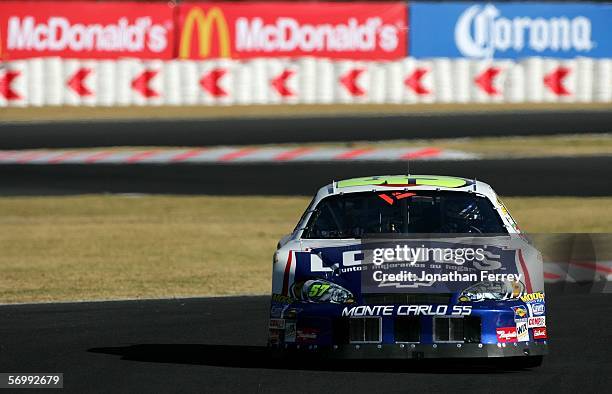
[
  {"x": 218, "y": 345},
  {"x": 235, "y": 131},
  {"x": 577, "y": 176}
]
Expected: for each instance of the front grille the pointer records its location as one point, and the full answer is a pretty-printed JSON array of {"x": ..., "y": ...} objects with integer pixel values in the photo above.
[
  {"x": 340, "y": 333},
  {"x": 364, "y": 329},
  {"x": 457, "y": 329},
  {"x": 471, "y": 329},
  {"x": 407, "y": 298},
  {"x": 407, "y": 329},
  {"x": 448, "y": 329}
]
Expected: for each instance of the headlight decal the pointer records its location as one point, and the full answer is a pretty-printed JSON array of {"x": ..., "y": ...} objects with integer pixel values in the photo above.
[{"x": 321, "y": 290}]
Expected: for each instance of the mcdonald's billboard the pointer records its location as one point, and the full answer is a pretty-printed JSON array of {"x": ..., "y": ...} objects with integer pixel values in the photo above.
[
  {"x": 86, "y": 29},
  {"x": 374, "y": 31}
]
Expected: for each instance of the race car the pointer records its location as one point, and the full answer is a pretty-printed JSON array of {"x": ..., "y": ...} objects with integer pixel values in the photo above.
[{"x": 408, "y": 266}]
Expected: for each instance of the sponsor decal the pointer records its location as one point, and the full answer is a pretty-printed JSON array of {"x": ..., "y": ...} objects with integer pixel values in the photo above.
[
  {"x": 506, "y": 334},
  {"x": 307, "y": 335},
  {"x": 320, "y": 290},
  {"x": 510, "y": 30},
  {"x": 290, "y": 333},
  {"x": 276, "y": 311},
  {"x": 282, "y": 299},
  {"x": 540, "y": 333},
  {"x": 522, "y": 331},
  {"x": 278, "y": 324},
  {"x": 286, "y": 29},
  {"x": 536, "y": 308},
  {"x": 538, "y": 321},
  {"x": 407, "y": 310},
  {"x": 533, "y": 297},
  {"x": 407, "y": 181},
  {"x": 520, "y": 312},
  {"x": 83, "y": 29},
  {"x": 492, "y": 291}
]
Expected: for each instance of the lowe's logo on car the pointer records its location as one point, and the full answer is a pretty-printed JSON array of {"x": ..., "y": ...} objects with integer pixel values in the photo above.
[{"x": 510, "y": 30}]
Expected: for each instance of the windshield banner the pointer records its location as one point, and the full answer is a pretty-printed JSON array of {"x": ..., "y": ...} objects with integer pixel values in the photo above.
[{"x": 510, "y": 30}]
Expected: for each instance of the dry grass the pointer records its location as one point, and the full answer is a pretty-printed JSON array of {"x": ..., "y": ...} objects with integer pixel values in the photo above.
[
  {"x": 99, "y": 247},
  {"x": 108, "y": 247},
  {"x": 562, "y": 214},
  {"x": 202, "y": 111}
]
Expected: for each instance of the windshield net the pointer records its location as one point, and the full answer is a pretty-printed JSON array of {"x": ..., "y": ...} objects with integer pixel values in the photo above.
[{"x": 356, "y": 214}]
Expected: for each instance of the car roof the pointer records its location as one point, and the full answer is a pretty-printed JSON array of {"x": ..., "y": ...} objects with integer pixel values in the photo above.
[{"x": 403, "y": 182}]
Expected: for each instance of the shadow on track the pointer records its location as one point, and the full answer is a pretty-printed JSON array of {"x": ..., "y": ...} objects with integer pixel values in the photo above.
[{"x": 261, "y": 357}]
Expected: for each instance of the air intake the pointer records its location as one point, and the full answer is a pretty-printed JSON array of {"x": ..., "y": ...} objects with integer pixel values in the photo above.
[
  {"x": 407, "y": 329},
  {"x": 457, "y": 329},
  {"x": 365, "y": 330}
]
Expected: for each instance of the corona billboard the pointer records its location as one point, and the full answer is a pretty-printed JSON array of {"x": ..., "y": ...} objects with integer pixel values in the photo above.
[
  {"x": 374, "y": 31},
  {"x": 510, "y": 30}
]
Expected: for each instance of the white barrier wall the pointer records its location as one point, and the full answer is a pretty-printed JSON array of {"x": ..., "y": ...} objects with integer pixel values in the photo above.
[{"x": 54, "y": 81}]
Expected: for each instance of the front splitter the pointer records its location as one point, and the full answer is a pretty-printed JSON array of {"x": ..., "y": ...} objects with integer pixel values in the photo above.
[{"x": 421, "y": 351}]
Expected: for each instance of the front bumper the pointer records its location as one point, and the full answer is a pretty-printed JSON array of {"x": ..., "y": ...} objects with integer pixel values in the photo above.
[{"x": 323, "y": 332}]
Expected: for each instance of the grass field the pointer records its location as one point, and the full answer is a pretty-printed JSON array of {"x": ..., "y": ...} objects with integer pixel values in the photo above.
[
  {"x": 100, "y": 247},
  {"x": 496, "y": 147},
  {"x": 519, "y": 146}
]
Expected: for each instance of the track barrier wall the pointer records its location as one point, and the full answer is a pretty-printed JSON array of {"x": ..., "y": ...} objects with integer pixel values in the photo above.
[
  {"x": 214, "y": 53},
  {"x": 56, "y": 81}
]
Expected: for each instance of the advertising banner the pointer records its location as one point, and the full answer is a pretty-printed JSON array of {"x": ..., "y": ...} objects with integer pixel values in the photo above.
[
  {"x": 80, "y": 29},
  {"x": 374, "y": 31},
  {"x": 510, "y": 30}
]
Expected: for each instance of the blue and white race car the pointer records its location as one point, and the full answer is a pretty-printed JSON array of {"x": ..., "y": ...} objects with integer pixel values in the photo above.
[{"x": 408, "y": 266}]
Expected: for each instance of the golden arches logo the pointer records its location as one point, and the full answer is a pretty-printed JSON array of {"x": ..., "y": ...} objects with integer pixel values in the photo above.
[{"x": 204, "y": 22}]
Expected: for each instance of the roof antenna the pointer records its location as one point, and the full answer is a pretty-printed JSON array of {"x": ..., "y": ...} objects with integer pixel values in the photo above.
[
  {"x": 408, "y": 168},
  {"x": 475, "y": 184}
]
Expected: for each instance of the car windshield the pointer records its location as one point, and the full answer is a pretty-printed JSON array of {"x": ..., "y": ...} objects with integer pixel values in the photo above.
[{"x": 356, "y": 214}]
